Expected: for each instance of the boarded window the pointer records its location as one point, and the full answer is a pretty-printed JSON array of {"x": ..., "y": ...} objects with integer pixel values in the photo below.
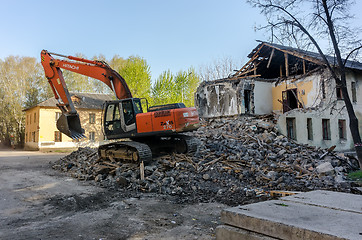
[
  {"x": 291, "y": 128},
  {"x": 342, "y": 129},
  {"x": 92, "y": 118},
  {"x": 92, "y": 136},
  {"x": 310, "y": 129},
  {"x": 354, "y": 92},
  {"x": 57, "y": 136},
  {"x": 326, "y": 129}
]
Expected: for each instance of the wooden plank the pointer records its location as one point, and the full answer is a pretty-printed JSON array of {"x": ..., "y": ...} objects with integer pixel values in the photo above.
[
  {"x": 303, "y": 66},
  {"x": 286, "y": 65},
  {"x": 270, "y": 58}
]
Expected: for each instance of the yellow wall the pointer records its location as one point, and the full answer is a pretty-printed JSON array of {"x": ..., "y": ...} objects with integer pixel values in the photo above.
[
  {"x": 45, "y": 126},
  {"x": 31, "y": 124},
  {"x": 303, "y": 88}
]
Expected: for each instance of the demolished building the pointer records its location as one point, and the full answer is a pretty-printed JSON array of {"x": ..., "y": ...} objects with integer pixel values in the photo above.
[{"x": 296, "y": 87}]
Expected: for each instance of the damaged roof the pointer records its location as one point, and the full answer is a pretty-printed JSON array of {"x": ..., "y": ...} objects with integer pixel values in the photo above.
[
  {"x": 269, "y": 60},
  {"x": 80, "y": 100}
]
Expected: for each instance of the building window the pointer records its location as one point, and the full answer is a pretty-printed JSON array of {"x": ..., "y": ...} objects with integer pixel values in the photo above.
[
  {"x": 247, "y": 98},
  {"x": 92, "y": 136},
  {"x": 342, "y": 129},
  {"x": 326, "y": 129},
  {"x": 310, "y": 129},
  {"x": 26, "y": 137},
  {"x": 57, "y": 115},
  {"x": 291, "y": 129},
  {"x": 33, "y": 136},
  {"x": 290, "y": 100},
  {"x": 92, "y": 118},
  {"x": 29, "y": 118},
  {"x": 339, "y": 93},
  {"x": 57, "y": 136},
  {"x": 354, "y": 92},
  {"x": 34, "y": 117}
]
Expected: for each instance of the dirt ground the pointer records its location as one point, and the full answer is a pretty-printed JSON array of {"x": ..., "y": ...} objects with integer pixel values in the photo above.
[{"x": 37, "y": 202}]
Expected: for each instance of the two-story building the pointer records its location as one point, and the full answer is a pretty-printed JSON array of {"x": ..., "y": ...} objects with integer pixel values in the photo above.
[
  {"x": 296, "y": 87},
  {"x": 40, "y": 122}
]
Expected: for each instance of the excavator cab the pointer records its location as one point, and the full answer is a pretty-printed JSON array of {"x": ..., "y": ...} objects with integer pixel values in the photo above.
[{"x": 120, "y": 117}]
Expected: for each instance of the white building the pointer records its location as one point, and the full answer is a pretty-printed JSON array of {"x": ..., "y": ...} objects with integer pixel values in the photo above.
[{"x": 293, "y": 84}]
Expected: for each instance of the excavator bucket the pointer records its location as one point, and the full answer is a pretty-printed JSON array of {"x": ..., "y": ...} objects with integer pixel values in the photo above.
[{"x": 69, "y": 124}]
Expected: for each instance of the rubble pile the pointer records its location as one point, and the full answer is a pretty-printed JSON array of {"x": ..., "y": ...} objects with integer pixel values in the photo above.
[{"x": 238, "y": 159}]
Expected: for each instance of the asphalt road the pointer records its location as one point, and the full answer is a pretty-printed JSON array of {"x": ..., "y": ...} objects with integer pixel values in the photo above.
[{"x": 37, "y": 202}]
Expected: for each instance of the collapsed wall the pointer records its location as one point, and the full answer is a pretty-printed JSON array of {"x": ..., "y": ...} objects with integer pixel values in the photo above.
[{"x": 225, "y": 97}]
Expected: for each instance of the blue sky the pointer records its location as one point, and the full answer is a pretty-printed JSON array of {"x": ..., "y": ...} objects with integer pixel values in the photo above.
[{"x": 169, "y": 34}]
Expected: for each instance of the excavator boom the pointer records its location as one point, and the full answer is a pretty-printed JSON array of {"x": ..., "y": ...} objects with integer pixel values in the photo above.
[{"x": 69, "y": 122}]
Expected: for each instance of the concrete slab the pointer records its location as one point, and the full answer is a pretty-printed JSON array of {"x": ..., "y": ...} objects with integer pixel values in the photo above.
[
  {"x": 233, "y": 233},
  {"x": 329, "y": 199},
  {"x": 322, "y": 217}
]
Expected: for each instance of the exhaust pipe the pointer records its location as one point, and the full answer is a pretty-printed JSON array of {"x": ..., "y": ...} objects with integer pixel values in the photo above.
[{"x": 69, "y": 124}]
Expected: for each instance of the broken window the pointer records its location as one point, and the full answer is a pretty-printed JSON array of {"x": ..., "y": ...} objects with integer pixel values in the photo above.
[
  {"x": 309, "y": 129},
  {"x": 326, "y": 129},
  {"x": 354, "y": 92},
  {"x": 291, "y": 129},
  {"x": 339, "y": 93},
  {"x": 290, "y": 100},
  {"x": 57, "y": 136},
  {"x": 247, "y": 94},
  {"x": 342, "y": 129}
]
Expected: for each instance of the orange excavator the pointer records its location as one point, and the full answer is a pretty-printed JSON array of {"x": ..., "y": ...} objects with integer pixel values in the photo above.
[{"x": 140, "y": 130}]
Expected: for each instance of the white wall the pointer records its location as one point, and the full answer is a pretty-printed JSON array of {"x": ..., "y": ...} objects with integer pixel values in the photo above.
[
  {"x": 263, "y": 99},
  {"x": 329, "y": 108}
]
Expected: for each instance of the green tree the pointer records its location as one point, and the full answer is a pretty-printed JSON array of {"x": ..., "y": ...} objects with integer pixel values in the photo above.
[
  {"x": 22, "y": 85},
  {"x": 169, "y": 88},
  {"x": 137, "y": 74},
  {"x": 163, "y": 90},
  {"x": 186, "y": 83}
]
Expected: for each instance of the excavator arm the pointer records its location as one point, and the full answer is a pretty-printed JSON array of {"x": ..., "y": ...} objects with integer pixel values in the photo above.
[{"x": 69, "y": 122}]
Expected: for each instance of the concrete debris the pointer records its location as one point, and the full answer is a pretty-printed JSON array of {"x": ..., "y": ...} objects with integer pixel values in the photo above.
[{"x": 238, "y": 160}]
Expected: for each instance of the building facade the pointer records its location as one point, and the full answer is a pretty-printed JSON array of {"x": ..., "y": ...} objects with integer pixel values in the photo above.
[
  {"x": 296, "y": 87},
  {"x": 40, "y": 123}
]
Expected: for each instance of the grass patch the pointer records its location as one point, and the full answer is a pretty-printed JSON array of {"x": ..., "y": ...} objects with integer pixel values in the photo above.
[{"x": 356, "y": 176}]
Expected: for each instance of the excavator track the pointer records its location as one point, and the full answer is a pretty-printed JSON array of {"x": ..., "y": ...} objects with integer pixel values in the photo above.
[
  {"x": 177, "y": 143},
  {"x": 126, "y": 151},
  {"x": 191, "y": 143}
]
